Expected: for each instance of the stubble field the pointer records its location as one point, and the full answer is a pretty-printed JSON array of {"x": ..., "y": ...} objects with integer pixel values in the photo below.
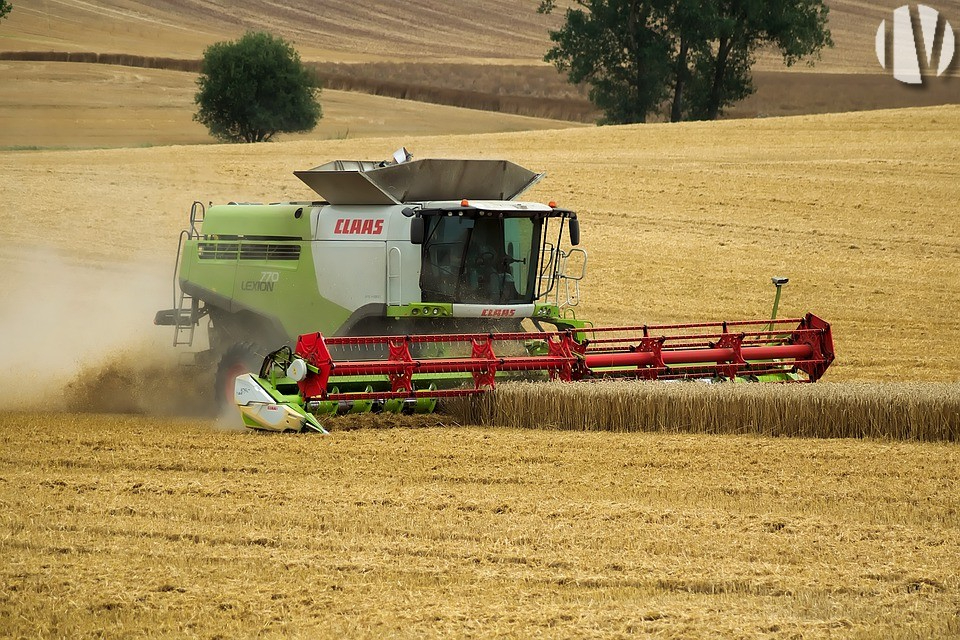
[
  {"x": 81, "y": 106},
  {"x": 125, "y": 527}
]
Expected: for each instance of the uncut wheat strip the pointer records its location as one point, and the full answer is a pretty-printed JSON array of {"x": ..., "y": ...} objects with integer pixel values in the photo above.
[{"x": 901, "y": 411}]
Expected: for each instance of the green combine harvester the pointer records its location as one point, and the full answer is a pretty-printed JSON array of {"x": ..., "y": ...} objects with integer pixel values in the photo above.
[{"x": 415, "y": 280}]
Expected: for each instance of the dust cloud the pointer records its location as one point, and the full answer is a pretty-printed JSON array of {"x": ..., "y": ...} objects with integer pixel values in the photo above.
[{"x": 79, "y": 336}]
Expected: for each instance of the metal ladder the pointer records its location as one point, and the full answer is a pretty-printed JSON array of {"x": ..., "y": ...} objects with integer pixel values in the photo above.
[
  {"x": 187, "y": 307},
  {"x": 185, "y": 326}
]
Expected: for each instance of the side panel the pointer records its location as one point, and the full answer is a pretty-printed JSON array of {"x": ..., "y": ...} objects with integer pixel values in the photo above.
[
  {"x": 363, "y": 255},
  {"x": 351, "y": 273},
  {"x": 285, "y": 289},
  {"x": 282, "y": 289}
]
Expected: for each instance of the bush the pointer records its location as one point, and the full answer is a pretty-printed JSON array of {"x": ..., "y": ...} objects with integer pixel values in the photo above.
[{"x": 255, "y": 88}]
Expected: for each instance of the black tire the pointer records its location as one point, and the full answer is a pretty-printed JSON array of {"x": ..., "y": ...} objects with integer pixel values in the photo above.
[{"x": 241, "y": 358}]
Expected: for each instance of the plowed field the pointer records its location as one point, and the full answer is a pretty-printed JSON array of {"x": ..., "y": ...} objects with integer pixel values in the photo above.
[{"x": 494, "y": 32}]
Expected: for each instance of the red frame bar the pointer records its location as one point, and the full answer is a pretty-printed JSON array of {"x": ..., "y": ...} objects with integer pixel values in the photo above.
[{"x": 660, "y": 352}]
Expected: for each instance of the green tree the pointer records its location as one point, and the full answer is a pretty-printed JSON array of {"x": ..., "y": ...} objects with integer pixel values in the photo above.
[
  {"x": 5, "y": 8},
  {"x": 615, "y": 47},
  {"x": 703, "y": 55},
  {"x": 737, "y": 30},
  {"x": 254, "y": 88}
]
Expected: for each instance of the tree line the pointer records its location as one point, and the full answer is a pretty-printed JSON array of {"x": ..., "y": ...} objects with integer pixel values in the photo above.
[{"x": 682, "y": 59}]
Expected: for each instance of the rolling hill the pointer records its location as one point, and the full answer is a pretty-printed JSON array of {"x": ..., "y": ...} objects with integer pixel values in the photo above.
[
  {"x": 482, "y": 56},
  {"x": 493, "y": 32},
  {"x": 71, "y": 105}
]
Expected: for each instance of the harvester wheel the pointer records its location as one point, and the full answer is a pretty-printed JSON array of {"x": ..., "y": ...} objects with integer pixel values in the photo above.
[{"x": 241, "y": 358}]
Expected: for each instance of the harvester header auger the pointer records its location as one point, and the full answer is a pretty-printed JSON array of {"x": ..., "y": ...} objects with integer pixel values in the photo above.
[{"x": 295, "y": 386}]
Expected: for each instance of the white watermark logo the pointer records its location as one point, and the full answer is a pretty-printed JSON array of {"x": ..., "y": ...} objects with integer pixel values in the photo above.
[{"x": 912, "y": 48}]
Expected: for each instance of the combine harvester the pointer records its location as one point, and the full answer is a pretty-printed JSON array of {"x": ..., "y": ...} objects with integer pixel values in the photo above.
[{"x": 428, "y": 279}]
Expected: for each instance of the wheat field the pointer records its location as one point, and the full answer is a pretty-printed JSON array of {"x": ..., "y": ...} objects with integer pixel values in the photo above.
[
  {"x": 495, "y": 32},
  {"x": 897, "y": 411},
  {"x": 669, "y": 511}
]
